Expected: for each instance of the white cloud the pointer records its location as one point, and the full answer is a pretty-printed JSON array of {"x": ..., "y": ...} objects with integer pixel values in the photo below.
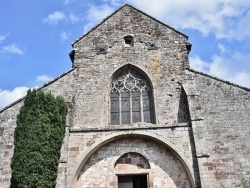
[
  {"x": 12, "y": 48},
  {"x": 64, "y": 35},
  {"x": 66, "y": 2},
  {"x": 114, "y": 2},
  {"x": 242, "y": 28},
  {"x": 73, "y": 18},
  {"x": 198, "y": 64},
  {"x": 224, "y": 18},
  {"x": 43, "y": 78},
  {"x": 221, "y": 48},
  {"x": 58, "y": 16},
  {"x": 235, "y": 68},
  {"x": 242, "y": 78},
  {"x": 7, "y": 97},
  {"x": 95, "y": 14},
  {"x": 3, "y": 37},
  {"x": 55, "y": 17}
]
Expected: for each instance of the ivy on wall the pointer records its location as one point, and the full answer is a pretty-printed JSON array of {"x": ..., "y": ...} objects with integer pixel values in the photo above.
[{"x": 38, "y": 139}]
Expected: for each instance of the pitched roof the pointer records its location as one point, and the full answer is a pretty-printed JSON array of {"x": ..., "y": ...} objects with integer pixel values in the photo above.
[
  {"x": 126, "y": 5},
  {"x": 218, "y": 79}
]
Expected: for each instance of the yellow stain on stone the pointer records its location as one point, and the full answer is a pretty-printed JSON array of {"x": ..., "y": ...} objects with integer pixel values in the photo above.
[
  {"x": 155, "y": 60},
  {"x": 178, "y": 55}
]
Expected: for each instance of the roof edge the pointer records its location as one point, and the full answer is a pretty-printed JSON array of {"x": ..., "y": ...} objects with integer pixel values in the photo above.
[
  {"x": 97, "y": 25},
  {"x": 218, "y": 79},
  {"x": 43, "y": 86},
  {"x": 170, "y": 27}
]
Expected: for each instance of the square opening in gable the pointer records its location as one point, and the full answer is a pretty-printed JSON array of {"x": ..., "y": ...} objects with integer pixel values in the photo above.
[{"x": 128, "y": 41}]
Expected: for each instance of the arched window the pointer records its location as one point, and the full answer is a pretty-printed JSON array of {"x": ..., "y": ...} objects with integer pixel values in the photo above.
[{"x": 131, "y": 98}]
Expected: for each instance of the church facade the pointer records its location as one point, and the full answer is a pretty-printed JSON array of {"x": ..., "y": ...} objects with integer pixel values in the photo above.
[{"x": 139, "y": 116}]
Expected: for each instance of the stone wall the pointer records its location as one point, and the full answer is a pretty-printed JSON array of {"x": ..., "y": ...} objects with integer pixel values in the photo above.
[
  {"x": 101, "y": 169},
  {"x": 220, "y": 113},
  {"x": 7, "y": 126},
  {"x": 8, "y": 117},
  {"x": 82, "y": 145},
  {"x": 163, "y": 64},
  {"x": 202, "y": 123}
]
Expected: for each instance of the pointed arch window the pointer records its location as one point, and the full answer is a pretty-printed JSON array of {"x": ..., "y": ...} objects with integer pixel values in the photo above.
[{"x": 130, "y": 98}]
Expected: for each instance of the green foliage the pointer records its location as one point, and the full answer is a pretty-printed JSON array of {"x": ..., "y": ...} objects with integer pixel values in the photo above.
[
  {"x": 38, "y": 139},
  {"x": 243, "y": 181}
]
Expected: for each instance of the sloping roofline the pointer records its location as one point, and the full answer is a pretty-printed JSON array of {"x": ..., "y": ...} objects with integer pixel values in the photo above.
[
  {"x": 118, "y": 11},
  {"x": 43, "y": 86},
  {"x": 218, "y": 79},
  {"x": 191, "y": 70}
]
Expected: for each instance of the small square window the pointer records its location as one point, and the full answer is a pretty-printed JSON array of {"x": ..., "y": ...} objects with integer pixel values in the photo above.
[{"x": 128, "y": 41}]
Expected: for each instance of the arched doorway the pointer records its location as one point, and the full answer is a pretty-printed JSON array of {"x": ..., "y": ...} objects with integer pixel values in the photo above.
[
  {"x": 132, "y": 170},
  {"x": 136, "y": 159}
]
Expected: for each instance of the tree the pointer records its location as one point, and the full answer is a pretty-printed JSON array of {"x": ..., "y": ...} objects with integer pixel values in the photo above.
[{"x": 38, "y": 139}]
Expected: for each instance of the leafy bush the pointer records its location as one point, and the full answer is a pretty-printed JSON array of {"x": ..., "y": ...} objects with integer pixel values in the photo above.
[
  {"x": 243, "y": 181},
  {"x": 38, "y": 139}
]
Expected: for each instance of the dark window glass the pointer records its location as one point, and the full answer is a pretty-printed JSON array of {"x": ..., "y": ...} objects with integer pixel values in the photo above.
[
  {"x": 114, "y": 108},
  {"x": 135, "y": 101},
  {"x": 125, "y": 108},
  {"x": 136, "y": 107},
  {"x": 146, "y": 107}
]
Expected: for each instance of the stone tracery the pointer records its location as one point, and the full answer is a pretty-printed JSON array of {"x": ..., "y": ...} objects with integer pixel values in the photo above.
[
  {"x": 131, "y": 98},
  {"x": 129, "y": 82}
]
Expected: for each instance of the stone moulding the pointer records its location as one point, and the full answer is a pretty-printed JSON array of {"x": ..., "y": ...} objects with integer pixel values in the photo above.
[{"x": 114, "y": 136}]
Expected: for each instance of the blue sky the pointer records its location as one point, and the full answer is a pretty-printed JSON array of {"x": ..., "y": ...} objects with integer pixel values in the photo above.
[{"x": 36, "y": 37}]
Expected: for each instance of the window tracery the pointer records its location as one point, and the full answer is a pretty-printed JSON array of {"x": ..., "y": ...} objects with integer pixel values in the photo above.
[{"x": 131, "y": 98}]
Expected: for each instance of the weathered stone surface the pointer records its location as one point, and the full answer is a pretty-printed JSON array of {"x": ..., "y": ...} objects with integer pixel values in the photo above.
[
  {"x": 8, "y": 125},
  {"x": 162, "y": 167},
  {"x": 201, "y": 133},
  {"x": 223, "y": 132}
]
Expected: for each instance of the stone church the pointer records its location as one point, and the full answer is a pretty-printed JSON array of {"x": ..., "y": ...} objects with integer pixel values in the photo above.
[{"x": 139, "y": 116}]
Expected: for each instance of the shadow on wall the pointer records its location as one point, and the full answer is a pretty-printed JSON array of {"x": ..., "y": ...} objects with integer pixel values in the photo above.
[
  {"x": 184, "y": 117},
  {"x": 183, "y": 110},
  {"x": 101, "y": 168}
]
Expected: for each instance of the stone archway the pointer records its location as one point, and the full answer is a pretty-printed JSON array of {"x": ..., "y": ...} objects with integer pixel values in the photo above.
[
  {"x": 131, "y": 161},
  {"x": 166, "y": 171},
  {"x": 132, "y": 170}
]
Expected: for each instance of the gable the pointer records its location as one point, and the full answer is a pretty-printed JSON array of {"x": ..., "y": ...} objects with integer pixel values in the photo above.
[
  {"x": 148, "y": 34},
  {"x": 122, "y": 10}
]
